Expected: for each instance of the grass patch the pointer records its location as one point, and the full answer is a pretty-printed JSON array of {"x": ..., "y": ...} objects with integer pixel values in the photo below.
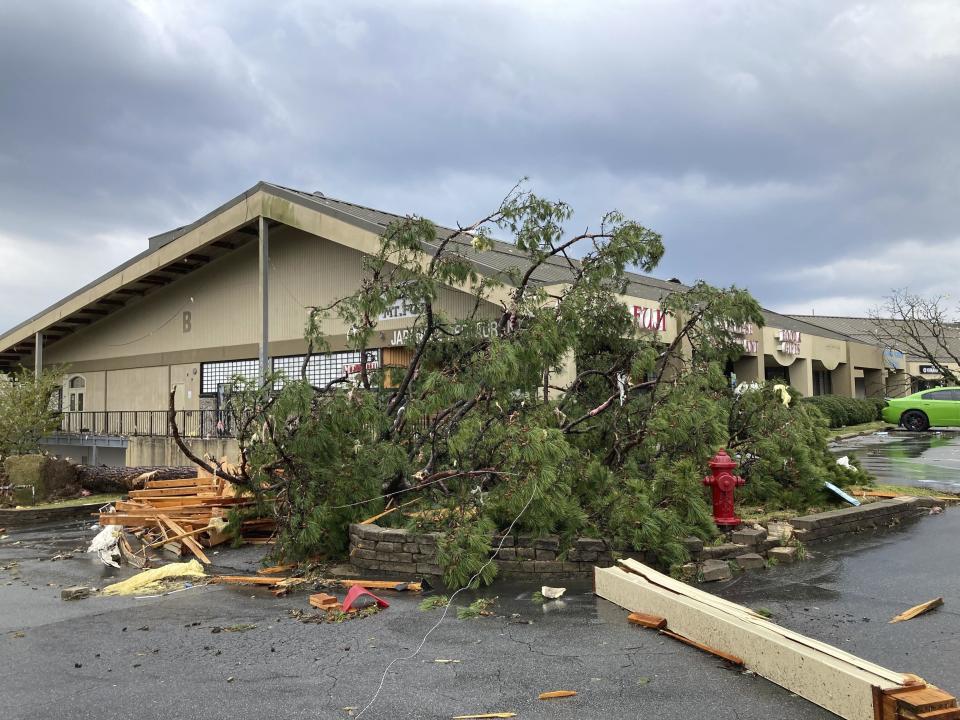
[
  {"x": 764, "y": 612},
  {"x": 101, "y": 499},
  {"x": 855, "y": 490},
  {"x": 840, "y": 432}
]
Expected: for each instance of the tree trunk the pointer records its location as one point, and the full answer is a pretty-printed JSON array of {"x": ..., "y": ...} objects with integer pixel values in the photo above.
[{"x": 103, "y": 479}]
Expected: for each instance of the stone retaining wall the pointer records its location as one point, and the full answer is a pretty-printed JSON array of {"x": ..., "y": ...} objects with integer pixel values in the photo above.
[
  {"x": 872, "y": 516},
  {"x": 29, "y": 517},
  {"x": 391, "y": 550}
]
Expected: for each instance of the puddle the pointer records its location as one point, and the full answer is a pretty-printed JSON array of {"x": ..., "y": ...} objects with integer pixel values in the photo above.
[{"x": 930, "y": 459}]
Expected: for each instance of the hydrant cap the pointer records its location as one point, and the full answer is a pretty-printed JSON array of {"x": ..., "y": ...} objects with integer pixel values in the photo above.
[{"x": 722, "y": 461}]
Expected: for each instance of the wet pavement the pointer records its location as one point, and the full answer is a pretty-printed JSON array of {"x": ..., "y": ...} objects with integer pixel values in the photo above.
[
  {"x": 165, "y": 658},
  {"x": 928, "y": 459}
]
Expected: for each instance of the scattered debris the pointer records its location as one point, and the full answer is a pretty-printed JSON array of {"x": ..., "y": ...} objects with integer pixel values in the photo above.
[
  {"x": 155, "y": 579},
  {"x": 554, "y": 694},
  {"x": 322, "y": 601},
  {"x": 552, "y": 593},
  {"x": 105, "y": 545},
  {"x": 181, "y": 516},
  {"x": 432, "y": 603},
  {"x": 478, "y": 608},
  {"x": 358, "y": 597},
  {"x": 648, "y": 621},
  {"x": 918, "y": 610},
  {"x": 383, "y": 585},
  {"x": 276, "y": 569},
  {"x": 444, "y": 661},
  {"x": 840, "y": 493},
  {"x": 848, "y": 686},
  {"x": 76, "y": 592},
  {"x": 733, "y": 659},
  {"x": 240, "y": 627},
  {"x": 483, "y": 716}
]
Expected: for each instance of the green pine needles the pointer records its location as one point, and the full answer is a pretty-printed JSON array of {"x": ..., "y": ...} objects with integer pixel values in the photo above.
[{"x": 543, "y": 387}]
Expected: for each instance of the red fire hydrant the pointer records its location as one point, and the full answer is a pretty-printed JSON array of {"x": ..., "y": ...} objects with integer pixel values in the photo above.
[{"x": 723, "y": 481}]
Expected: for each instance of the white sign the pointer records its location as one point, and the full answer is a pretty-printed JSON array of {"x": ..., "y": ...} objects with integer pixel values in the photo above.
[
  {"x": 789, "y": 342},
  {"x": 401, "y": 308},
  {"x": 407, "y": 336},
  {"x": 750, "y": 346},
  {"x": 650, "y": 318}
]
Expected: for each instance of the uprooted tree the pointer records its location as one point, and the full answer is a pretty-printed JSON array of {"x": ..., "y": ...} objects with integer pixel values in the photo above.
[{"x": 546, "y": 402}]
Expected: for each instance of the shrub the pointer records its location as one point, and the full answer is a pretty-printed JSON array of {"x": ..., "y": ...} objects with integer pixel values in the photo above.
[{"x": 841, "y": 411}]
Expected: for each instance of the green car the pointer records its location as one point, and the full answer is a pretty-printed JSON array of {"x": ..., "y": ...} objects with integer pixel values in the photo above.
[{"x": 939, "y": 407}]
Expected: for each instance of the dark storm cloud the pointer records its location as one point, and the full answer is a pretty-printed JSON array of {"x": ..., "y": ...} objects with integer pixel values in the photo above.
[{"x": 773, "y": 144}]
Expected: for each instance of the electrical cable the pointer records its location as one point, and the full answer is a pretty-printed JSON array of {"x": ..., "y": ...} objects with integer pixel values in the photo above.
[
  {"x": 156, "y": 329},
  {"x": 470, "y": 582}
]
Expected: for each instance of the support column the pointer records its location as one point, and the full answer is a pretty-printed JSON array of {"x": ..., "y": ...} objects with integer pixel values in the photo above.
[
  {"x": 898, "y": 384},
  {"x": 873, "y": 383},
  {"x": 801, "y": 376},
  {"x": 749, "y": 368},
  {"x": 38, "y": 353},
  {"x": 264, "y": 299},
  {"x": 842, "y": 380}
]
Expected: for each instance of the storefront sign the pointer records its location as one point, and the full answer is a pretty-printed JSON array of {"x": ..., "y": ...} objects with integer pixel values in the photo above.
[
  {"x": 650, "y": 318},
  {"x": 929, "y": 370},
  {"x": 789, "y": 342},
  {"x": 740, "y": 331},
  {"x": 408, "y": 336},
  {"x": 893, "y": 359},
  {"x": 750, "y": 346},
  {"x": 354, "y": 368},
  {"x": 401, "y": 308}
]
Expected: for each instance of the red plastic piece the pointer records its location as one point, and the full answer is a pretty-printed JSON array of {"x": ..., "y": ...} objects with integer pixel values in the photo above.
[
  {"x": 355, "y": 592},
  {"x": 722, "y": 482}
]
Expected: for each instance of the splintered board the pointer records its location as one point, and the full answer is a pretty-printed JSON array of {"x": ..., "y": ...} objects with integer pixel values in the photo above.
[{"x": 844, "y": 684}]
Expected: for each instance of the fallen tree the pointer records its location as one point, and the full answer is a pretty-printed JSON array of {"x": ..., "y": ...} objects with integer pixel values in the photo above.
[
  {"x": 548, "y": 406},
  {"x": 103, "y": 479}
]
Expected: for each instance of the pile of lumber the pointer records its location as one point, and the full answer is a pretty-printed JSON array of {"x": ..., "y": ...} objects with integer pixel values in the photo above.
[
  {"x": 181, "y": 516},
  {"x": 841, "y": 682}
]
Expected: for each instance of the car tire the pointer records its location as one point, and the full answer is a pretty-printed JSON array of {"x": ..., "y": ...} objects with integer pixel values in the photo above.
[{"x": 915, "y": 421}]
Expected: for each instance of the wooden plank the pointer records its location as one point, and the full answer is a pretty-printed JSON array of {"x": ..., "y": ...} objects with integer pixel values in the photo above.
[
  {"x": 275, "y": 569},
  {"x": 648, "y": 621},
  {"x": 184, "y": 482},
  {"x": 706, "y": 648},
  {"x": 247, "y": 579},
  {"x": 384, "y": 585},
  {"x": 172, "y": 491},
  {"x": 839, "y": 686},
  {"x": 554, "y": 694},
  {"x": 918, "y": 610},
  {"x": 322, "y": 601},
  {"x": 895, "y": 679},
  {"x": 191, "y": 544}
]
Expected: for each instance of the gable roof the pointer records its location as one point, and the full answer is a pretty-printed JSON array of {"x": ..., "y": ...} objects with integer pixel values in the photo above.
[{"x": 174, "y": 253}]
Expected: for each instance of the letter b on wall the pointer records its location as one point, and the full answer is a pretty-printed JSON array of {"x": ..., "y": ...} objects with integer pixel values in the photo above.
[{"x": 187, "y": 321}]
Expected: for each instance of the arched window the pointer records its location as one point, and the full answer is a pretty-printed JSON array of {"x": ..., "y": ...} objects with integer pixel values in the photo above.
[{"x": 75, "y": 392}]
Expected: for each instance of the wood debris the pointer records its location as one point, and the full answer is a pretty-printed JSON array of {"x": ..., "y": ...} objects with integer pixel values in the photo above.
[
  {"x": 848, "y": 686},
  {"x": 483, "y": 716},
  {"x": 322, "y": 601},
  {"x": 648, "y": 621},
  {"x": 918, "y": 610},
  {"x": 554, "y": 694},
  {"x": 182, "y": 516}
]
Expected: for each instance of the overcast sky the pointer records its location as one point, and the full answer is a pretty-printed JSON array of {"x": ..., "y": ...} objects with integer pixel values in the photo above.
[{"x": 808, "y": 150}]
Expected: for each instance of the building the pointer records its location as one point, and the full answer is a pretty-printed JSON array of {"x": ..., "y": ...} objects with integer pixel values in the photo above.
[
  {"x": 892, "y": 335},
  {"x": 229, "y": 293}
]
